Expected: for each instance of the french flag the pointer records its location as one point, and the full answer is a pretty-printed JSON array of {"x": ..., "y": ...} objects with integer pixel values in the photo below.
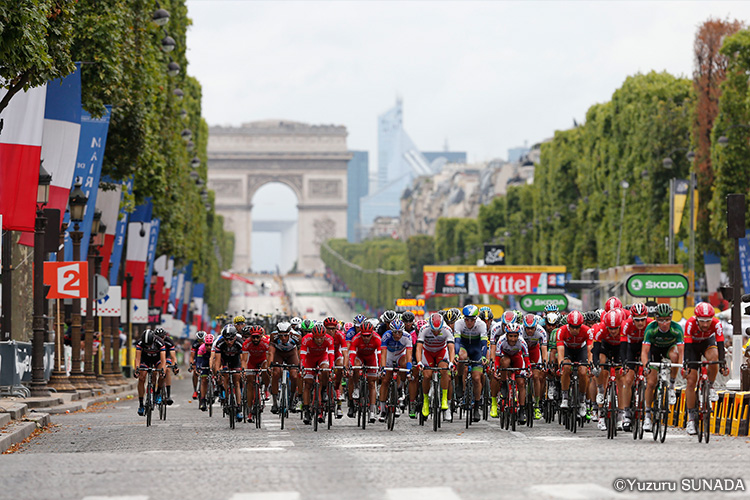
[
  {"x": 198, "y": 291},
  {"x": 139, "y": 229},
  {"x": 109, "y": 204},
  {"x": 20, "y": 151}
]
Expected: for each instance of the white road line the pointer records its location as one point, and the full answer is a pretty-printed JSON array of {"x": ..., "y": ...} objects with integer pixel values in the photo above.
[
  {"x": 281, "y": 443},
  {"x": 268, "y": 448},
  {"x": 575, "y": 491},
  {"x": 359, "y": 445},
  {"x": 123, "y": 407},
  {"x": 267, "y": 495},
  {"x": 139, "y": 497},
  {"x": 440, "y": 493},
  {"x": 458, "y": 441},
  {"x": 555, "y": 438}
]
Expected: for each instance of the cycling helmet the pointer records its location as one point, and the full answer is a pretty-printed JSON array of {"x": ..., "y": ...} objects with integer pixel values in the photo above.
[
  {"x": 590, "y": 317},
  {"x": 552, "y": 318},
  {"x": 330, "y": 322},
  {"x": 229, "y": 332},
  {"x": 704, "y": 311},
  {"x": 436, "y": 322},
  {"x": 388, "y": 316},
  {"x": 612, "y": 319},
  {"x": 450, "y": 316},
  {"x": 239, "y": 319},
  {"x": 359, "y": 319},
  {"x": 257, "y": 330},
  {"x": 485, "y": 313},
  {"x": 283, "y": 327},
  {"x": 639, "y": 310},
  {"x": 508, "y": 317},
  {"x": 612, "y": 303},
  {"x": 530, "y": 321},
  {"x": 208, "y": 339},
  {"x": 318, "y": 330},
  {"x": 348, "y": 326},
  {"x": 159, "y": 332},
  {"x": 407, "y": 317},
  {"x": 307, "y": 325},
  {"x": 470, "y": 311},
  {"x": 513, "y": 328},
  {"x": 149, "y": 337},
  {"x": 663, "y": 311},
  {"x": 296, "y": 321},
  {"x": 456, "y": 311},
  {"x": 551, "y": 308},
  {"x": 397, "y": 325},
  {"x": 200, "y": 335},
  {"x": 575, "y": 318},
  {"x": 420, "y": 324},
  {"x": 367, "y": 328}
]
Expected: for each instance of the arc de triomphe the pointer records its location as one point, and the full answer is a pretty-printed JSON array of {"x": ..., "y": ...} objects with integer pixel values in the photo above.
[{"x": 310, "y": 159}]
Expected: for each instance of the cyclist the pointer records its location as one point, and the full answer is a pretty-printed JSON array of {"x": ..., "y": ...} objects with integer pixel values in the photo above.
[
  {"x": 485, "y": 314},
  {"x": 364, "y": 350},
  {"x": 385, "y": 322},
  {"x": 340, "y": 350},
  {"x": 316, "y": 351},
  {"x": 551, "y": 326},
  {"x": 704, "y": 337},
  {"x": 396, "y": 349},
  {"x": 255, "y": 357},
  {"x": 664, "y": 338},
  {"x": 450, "y": 317},
  {"x": 535, "y": 337},
  {"x": 226, "y": 354},
  {"x": 633, "y": 330},
  {"x": 199, "y": 336},
  {"x": 573, "y": 344},
  {"x": 171, "y": 355},
  {"x": 202, "y": 366},
  {"x": 149, "y": 353},
  {"x": 471, "y": 343},
  {"x": 295, "y": 332},
  {"x": 511, "y": 351},
  {"x": 411, "y": 328},
  {"x": 606, "y": 349},
  {"x": 612, "y": 303},
  {"x": 590, "y": 318},
  {"x": 357, "y": 322},
  {"x": 435, "y": 347},
  {"x": 283, "y": 349}
]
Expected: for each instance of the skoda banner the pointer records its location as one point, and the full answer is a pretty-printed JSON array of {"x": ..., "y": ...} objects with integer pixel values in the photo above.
[
  {"x": 536, "y": 303},
  {"x": 657, "y": 285}
]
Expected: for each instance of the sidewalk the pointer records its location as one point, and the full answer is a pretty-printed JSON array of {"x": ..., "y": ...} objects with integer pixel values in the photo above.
[{"x": 19, "y": 417}]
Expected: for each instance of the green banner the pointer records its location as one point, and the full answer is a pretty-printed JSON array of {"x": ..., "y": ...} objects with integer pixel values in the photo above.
[
  {"x": 537, "y": 302},
  {"x": 657, "y": 285}
]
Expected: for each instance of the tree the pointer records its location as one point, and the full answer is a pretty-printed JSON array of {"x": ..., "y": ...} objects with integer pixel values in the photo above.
[{"x": 36, "y": 37}]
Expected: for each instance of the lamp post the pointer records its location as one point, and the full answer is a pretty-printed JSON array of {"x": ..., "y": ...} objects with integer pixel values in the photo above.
[
  {"x": 59, "y": 379},
  {"x": 88, "y": 343},
  {"x": 77, "y": 203},
  {"x": 38, "y": 381},
  {"x": 102, "y": 355}
]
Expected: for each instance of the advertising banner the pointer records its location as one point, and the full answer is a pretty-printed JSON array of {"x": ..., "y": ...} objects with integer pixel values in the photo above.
[
  {"x": 657, "y": 285},
  {"x": 494, "y": 255},
  {"x": 491, "y": 280}
]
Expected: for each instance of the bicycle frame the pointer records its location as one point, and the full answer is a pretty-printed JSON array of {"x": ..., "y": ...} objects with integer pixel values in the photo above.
[
  {"x": 703, "y": 399},
  {"x": 392, "y": 402}
]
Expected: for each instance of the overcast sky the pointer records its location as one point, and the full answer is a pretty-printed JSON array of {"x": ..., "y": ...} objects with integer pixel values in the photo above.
[{"x": 485, "y": 76}]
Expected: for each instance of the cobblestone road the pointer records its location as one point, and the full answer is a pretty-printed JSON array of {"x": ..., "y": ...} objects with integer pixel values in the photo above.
[{"x": 110, "y": 453}]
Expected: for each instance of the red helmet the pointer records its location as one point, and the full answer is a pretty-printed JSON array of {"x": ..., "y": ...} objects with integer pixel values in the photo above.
[
  {"x": 330, "y": 322},
  {"x": 208, "y": 339},
  {"x": 436, "y": 321},
  {"x": 256, "y": 330},
  {"x": 613, "y": 319},
  {"x": 704, "y": 310},
  {"x": 612, "y": 303},
  {"x": 367, "y": 328},
  {"x": 575, "y": 318},
  {"x": 318, "y": 330},
  {"x": 639, "y": 310}
]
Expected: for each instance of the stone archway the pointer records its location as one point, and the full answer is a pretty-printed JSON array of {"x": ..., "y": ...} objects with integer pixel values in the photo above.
[{"x": 310, "y": 159}]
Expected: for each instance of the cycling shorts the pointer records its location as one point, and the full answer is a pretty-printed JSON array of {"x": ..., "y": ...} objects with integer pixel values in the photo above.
[
  {"x": 433, "y": 358},
  {"x": 231, "y": 362},
  {"x": 516, "y": 360},
  {"x": 370, "y": 360},
  {"x": 580, "y": 354},
  {"x": 611, "y": 351},
  {"x": 535, "y": 353},
  {"x": 634, "y": 352},
  {"x": 393, "y": 358},
  {"x": 658, "y": 353},
  {"x": 474, "y": 352},
  {"x": 256, "y": 363},
  {"x": 315, "y": 362},
  {"x": 150, "y": 362},
  {"x": 699, "y": 348}
]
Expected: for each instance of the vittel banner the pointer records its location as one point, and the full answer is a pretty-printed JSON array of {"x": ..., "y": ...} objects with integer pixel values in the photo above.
[{"x": 475, "y": 280}]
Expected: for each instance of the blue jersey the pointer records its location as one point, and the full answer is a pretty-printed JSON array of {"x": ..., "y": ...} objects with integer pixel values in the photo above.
[
  {"x": 395, "y": 346},
  {"x": 350, "y": 333}
]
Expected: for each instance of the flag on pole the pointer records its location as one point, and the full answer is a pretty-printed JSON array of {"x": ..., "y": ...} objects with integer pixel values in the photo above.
[
  {"x": 153, "y": 237},
  {"x": 198, "y": 291},
  {"x": 138, "y": 236},
  {"x": 119, "y": 239},
  {"x": 109, "y": 204},
  {"x": 20, "y": 151}
]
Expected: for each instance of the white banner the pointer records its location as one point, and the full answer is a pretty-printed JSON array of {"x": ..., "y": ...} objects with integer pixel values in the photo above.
[{"x": 138, "y": 311}]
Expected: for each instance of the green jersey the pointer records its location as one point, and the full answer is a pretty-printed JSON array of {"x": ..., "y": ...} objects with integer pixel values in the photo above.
[
  {"x": 552, "y": 342},
  {"x": 654, "y": 336}
]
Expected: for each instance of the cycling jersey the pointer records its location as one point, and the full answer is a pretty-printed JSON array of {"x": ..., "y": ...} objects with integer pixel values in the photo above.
[
  {"x": 539, "y": 337},
  {"x": 196, "y": 345},
  {"x": 287, "y": 346},
  {"x": 435, "y": 341},
  {"x": 552, "y": 342},
  {"x": 258, "y": 352},
  {"x": 350, "y": 333},
  {"x": 693, "y": 334},
  {"x": 312, "y": 354},
  {"x": 566, "y": 338},
  {"x": 227, "y": 351},
  {"x": 601, "y": 333},
  {"x": 339, "y": 341},
  {"x": 365, "y": 349},
  {"x": 505, "y": 349},
  {"x": 150, "y": 352},
  {"x": 469, "y": 336},
  {"x": 168, "y": 347},
  {"x": 633, "y": 334},
  {"x": 396, "y": 346},
  {"x": 654, "y": 336}
]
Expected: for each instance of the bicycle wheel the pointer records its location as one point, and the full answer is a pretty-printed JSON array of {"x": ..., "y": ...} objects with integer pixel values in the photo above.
[
  {"x": 210, "y": 398},
  {"x": 364, "y": 402},
  {"x": 612, "y": 410},
  {"x": 391, "y": 407},
  {"x": 149, "y": 402},
  {"x": 258, "y": 406},
  {"x": 316, "y": 404},
  {"x": 486, "y": 398},
  {"x": 468, "y": 399},
  {"x": 436, "y": 393},
  {"x": 656, "y": 412},
  {"x": 330, "y": 402},
  {"x": 231, "y": 410},
  {"x": 282, "y": 404},
  {"x": 706, "y": 413},
  {"x": 664, "y": 414},
  {"x": 574, "y": 406}
]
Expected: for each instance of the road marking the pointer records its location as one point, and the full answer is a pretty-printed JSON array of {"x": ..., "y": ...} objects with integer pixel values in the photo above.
[
  {"x": 359, "y": 445},
  {"x": 575, "y": 491},
  {"x": 458, "y": 441},
  {"x": 281, "y": 443},
  {"x": 555, "y": 438},
  {"x": 267, "y": 495},
  {"x": 138, "y": 497},
  {"x": 268, "y": 448},
  {"x": 440, "y": 493},
  {"x": 123, "y": 407}
]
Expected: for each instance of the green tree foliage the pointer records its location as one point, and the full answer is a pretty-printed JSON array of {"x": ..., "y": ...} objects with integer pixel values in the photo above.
[
  {"x": 454, "y": 237},
  {"x": 421, "y": 251},
  {"x": 36, "y": 37}
]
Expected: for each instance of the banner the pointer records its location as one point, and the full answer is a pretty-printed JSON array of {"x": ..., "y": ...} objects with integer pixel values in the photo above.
[
  {"x": 712, "y": 265},
  {"x": 745, "y": 261},
  {"x": 494, "y": 255},
  {"x": 109, "y": 204},
  {"x": 138, "y": 311},
  {"x": 491, "y": 283},
  {"x": 119, "y": 241},
  {"x": 20, "y": 151},
  {"x": 88, "y": 169},
  {"x": 139, "y": 229},
  {"x": 111, "y": 304},
  {"x": 681, "y": 188},
  {"x": 151, "y": 253},
  {"x": 187, "y": 293},
  {"x": 232, "y": 276},
  {"x": 67, "y": 280}
]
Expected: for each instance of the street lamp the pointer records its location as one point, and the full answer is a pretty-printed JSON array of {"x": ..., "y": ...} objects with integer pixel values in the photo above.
[
  {"x": 168, "y": 44},
  {"x": 186, "y": 134},
  {"x": 38, "y": 381},
  {"x": 178, "y": 93},
  {"x": 77, "y": 203},
  {"x": 160, "y": 17},
  {"x": 195, "y": 162},
  {"x": 173, "y": 69}
]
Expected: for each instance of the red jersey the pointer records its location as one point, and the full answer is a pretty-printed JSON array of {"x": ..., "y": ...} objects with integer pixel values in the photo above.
[
  {"x": 257, "y": 352},
  {"x": 308, "y": 347},
  {"x": 339, "y": 341},
  {"x": 360, "y": 348},
  {"x": 631, "y": 334},
  {"x": 567, "y": 339},
  {"x": 694, "y": 334},
  {"x": 600, "y": 333}
]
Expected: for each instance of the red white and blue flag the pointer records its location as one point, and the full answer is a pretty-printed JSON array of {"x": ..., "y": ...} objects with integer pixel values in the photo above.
[{"x": 139, "y": 229}]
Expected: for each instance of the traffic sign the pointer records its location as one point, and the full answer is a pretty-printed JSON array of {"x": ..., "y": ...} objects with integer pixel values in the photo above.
[
  {"x": 67, "y": 280},
  {"x": 537, "y": 302},
  {"x": 657, "y": 285}
]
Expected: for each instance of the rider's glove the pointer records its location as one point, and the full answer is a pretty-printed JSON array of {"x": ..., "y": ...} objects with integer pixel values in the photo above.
[
  {"x": 408, "y": 366},
  {"x": 484, "y": 360},
  {"x": 420, "y": 364},
  {"x": 175, "y": 369},
  {"x": 451, "y": 365},
  {"x": 136, "y": 373}
]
